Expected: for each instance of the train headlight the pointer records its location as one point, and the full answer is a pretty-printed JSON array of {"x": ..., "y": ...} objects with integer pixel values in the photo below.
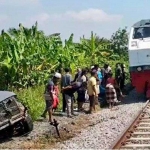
[
  {"x": 133, "y": 43},
  {"x": 139, "y": 68}
]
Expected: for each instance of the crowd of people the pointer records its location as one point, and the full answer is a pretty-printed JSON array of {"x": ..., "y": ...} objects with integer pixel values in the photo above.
[{"x": 89, "y": 84}]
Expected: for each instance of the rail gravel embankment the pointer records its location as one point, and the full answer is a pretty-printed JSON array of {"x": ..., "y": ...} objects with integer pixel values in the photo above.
[
  {"x": 94, "y": 131},
  {"x": 113, "y": 123}
]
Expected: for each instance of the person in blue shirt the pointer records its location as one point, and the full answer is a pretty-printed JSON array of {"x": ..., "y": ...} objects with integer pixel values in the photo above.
[
  {"x": 99, "y": 74},
  {"x": 102, "y": 90},
  {"x": 102, "y": 96}
]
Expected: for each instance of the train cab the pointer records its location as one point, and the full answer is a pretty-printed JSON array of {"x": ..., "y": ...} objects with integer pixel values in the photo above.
[{"x": 139, "y": 55}]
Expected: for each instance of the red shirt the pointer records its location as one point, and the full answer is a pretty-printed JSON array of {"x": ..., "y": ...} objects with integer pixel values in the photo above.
[
  {"x": 56, "y": 89},
  {"x": 111, "y": 81}
]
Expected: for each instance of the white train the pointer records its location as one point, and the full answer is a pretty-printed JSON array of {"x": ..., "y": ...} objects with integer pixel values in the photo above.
[{"x": 139, "y": 56}]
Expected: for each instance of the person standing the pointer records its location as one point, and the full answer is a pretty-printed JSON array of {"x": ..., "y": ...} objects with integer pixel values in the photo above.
[
  {"x": 111, "y": 95},
  {"x": 110, "y": 79},
  {"x": 50, "y": 95},
  {"x": 82, "y": 91},
  {"x": 122, "y": 83},
  {"x": 99, "y": 74},
  {"x": 105, "y": 71},
  {"x": 99, "y": 80},
  {"x": 118, "y": 74},
  {"x": 69, "y": 92},
  {"x": 92, "y": 90},
  {"x": 66, "y": 81},
  {"x": 77, "y": 75}
]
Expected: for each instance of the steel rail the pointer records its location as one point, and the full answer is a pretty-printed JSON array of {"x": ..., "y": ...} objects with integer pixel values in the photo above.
[{"x": 129, "y": 131}]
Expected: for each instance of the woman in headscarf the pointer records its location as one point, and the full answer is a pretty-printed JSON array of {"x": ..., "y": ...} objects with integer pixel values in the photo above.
[
  {"x": 111, "y": 95},
  {"x": 114, "y": 82}
]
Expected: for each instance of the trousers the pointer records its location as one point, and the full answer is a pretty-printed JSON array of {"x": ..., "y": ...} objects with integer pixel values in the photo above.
[
  {"x": 69, "y": 102},
  {"x": 63, "y": 103}
]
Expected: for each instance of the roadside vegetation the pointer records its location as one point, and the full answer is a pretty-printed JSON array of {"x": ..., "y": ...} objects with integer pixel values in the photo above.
[{"x": 29, "y": 57}]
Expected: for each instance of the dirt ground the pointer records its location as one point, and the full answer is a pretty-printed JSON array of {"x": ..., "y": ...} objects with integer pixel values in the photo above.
[{"x": 45, "y": 135}]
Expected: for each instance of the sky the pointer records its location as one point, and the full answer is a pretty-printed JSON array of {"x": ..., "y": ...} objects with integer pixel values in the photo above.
[{"x": 79, "y": 17}]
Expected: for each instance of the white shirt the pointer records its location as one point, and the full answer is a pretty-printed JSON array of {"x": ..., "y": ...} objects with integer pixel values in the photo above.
[{"x": 82, "y": 79}]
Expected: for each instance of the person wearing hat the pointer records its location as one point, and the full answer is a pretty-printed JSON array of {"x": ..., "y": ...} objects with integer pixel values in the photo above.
[
  {"x": 51, "y": 95},
  {"x": 92, "y": 67}
]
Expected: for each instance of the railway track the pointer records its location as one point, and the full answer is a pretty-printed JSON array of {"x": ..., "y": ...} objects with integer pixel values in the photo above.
[{"x": 137, "y": 135}]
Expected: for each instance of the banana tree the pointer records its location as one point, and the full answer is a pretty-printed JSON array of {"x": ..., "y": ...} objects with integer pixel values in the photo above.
[{"x": 96, "y": 51}]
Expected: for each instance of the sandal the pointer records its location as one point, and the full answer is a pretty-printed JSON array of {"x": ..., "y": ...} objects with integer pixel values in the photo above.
[
  {"x": 70, "y": 116},
  {"x": 51, "y": 123}
]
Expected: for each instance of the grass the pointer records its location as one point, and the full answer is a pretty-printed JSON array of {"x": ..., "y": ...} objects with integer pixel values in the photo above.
[{"x": 33, "y": 99}]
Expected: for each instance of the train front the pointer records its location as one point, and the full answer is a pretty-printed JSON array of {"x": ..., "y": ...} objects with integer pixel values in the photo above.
[{"x": 139, "y": 56}]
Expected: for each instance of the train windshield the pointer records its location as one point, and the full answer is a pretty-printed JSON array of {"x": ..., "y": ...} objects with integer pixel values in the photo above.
[{"x": 141, "y": 32}]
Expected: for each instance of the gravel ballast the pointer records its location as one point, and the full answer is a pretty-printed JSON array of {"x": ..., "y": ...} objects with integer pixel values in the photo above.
[
  {"x": 103, "y": 134},
  {"x": 112, "y": 124}
]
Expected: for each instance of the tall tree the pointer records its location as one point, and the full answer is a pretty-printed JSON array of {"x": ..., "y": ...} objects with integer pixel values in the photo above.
[{"x": 119, "y": 41}]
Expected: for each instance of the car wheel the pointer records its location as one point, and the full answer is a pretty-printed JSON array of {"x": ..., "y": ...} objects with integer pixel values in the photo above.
[
  {"x": 28, "y": 124},
  {"x": 8, "y": 133}
]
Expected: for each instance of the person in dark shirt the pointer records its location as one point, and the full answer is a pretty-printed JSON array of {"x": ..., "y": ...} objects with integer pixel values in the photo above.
[
  {"x": 122, "y": 83},
  {"x": 69, "y": 92},
  {"x": 118, "y": 74},
  {"x": 82, "y": 91},
  {"x": 66, "y": 81},
  {"x": 51, "y": 92},
  {"x": 77, "y": 75}
]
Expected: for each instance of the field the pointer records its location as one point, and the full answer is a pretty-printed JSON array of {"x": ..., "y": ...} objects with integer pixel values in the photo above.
[{"x": 29, "y": 58}]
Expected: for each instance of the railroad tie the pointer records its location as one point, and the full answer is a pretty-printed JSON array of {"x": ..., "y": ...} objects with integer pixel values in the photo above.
[
  {"x": 138, "y": 139},
  {"x": 141, "y": 133},
  {"x": 136, "y": 146}
]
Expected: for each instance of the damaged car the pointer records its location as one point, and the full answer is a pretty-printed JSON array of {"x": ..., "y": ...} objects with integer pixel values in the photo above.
[{"x": 14, "y": 117}]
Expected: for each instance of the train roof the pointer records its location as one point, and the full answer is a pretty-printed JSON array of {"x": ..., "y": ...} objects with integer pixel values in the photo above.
[{"x": 142, "y": 23}]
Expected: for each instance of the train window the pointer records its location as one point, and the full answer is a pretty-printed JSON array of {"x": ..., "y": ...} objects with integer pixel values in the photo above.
[{"x": 141, "y": 32}]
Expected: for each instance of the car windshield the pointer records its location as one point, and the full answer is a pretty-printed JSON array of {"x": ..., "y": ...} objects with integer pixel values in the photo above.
[{"x": 141, "y": 32}]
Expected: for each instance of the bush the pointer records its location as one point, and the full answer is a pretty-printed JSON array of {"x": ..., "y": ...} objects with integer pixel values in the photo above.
[{"x": 33, "y": 98}]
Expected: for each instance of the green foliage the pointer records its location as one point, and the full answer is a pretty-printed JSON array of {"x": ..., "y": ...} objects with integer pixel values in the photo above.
[
  {"x": 33, "y": 98},
  {"x": 119, "y": 41},
  {"x": 28, "y": 57}
]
